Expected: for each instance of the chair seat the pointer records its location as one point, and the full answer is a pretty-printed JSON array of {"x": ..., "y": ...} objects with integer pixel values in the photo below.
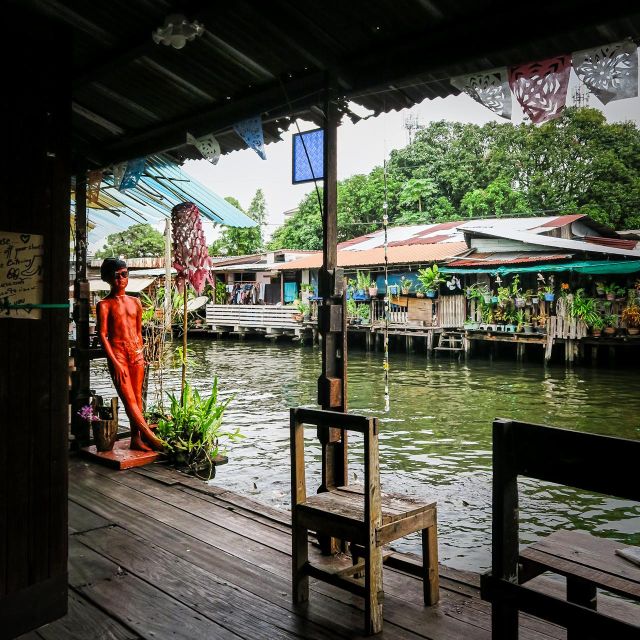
[{"x": 344, "y": 506}]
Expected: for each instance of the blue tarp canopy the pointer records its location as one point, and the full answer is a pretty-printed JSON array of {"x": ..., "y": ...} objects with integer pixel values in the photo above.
[
  {"x": 160, "y": 188},
  {"x": 593, "y": 267}
]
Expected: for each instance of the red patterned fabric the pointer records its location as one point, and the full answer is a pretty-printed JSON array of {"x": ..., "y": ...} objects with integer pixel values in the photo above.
[
  {"x": 541, "y": 87},
  {"x": 190, "y": 252}
]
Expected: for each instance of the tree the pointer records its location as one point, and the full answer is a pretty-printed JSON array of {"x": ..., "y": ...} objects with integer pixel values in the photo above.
[
  {"x": 239, "y": 241},
  {"x": 138, "y": 241},
  {"x": 498, "y": 199}
]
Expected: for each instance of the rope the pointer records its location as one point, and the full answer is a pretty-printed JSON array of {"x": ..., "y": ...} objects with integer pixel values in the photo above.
[{"x": 387, "y": 306}]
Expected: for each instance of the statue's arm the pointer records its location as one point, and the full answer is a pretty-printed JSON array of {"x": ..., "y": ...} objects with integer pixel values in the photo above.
[{"x": 139, "y": 319}]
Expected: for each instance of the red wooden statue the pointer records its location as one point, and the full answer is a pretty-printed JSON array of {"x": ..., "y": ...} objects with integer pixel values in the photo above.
[{"x": 120, "y": 331}]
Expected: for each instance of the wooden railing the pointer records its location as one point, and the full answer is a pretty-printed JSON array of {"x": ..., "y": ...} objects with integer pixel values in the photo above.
[{"x": 252, "y": 316}]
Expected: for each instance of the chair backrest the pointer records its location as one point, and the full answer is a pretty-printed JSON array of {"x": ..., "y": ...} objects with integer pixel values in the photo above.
[
  {"x": 348, "y": 422},
  {"x": 598, "y": 463}
]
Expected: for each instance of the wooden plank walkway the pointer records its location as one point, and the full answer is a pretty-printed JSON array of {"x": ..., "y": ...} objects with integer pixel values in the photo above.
[{"x": 156, "y": 554}]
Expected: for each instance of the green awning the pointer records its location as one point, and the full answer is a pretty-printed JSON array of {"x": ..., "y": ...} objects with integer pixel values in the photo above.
[{"x": 594, "y": 267}]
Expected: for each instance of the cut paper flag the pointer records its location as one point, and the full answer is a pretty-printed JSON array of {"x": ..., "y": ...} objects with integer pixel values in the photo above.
[
  {"x": 541, "y": 87},
  {"x": 190, "y": 252},
  {"x": 132, "y": 173},
  {"x": 94, "y": 178},
  {"x": 610, "y": 72},
  {"x": 207, "y": 145},
  {"x": 489, "y": 88},
  {"x": 118, "y": 173},
  {"x": 308, "y": 156},
  {"x": 250, "y": 130}
]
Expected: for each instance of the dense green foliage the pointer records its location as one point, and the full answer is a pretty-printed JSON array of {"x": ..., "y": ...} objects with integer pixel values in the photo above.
[
  {"x": 578, "y": 163},
  {"x": 240, "y": 241},
  {"x": 138, "y": 241}
]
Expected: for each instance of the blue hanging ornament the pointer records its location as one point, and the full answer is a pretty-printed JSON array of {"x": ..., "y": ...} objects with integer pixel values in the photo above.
[{"x": 250, "y": 130}]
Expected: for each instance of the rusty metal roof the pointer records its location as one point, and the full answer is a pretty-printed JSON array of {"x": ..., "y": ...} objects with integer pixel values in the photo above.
[
  {"x": 490, "y": 259},
  {"x": 132, "y": 97},
  {"x": 407, "y": 254}
]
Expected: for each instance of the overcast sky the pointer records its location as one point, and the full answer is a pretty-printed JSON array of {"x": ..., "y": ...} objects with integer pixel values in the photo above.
[{"x": 360, "y": 148}]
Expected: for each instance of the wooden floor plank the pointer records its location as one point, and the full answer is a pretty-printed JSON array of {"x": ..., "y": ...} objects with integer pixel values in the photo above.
[
  {"x": 135, "y": 603},
  {"x": 85, "y": 621},
  {"x": 81, "y": 519},
  {"x": 227, "y": 604}
]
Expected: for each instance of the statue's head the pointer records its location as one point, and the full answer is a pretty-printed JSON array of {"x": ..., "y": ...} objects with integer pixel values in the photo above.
[{"x": 109, "y": 267}]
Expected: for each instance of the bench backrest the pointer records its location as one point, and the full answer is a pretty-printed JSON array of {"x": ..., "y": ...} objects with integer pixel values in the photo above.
[{"x": 603, "y": 464}]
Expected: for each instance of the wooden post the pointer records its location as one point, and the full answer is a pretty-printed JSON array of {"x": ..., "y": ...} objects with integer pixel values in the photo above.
[
  {"x": 332, "y": 383},
  {"x": 81, "y": 378},
  {"x": 167, "y": 277},
  {"x": 504, "y": 535},
  {"x": 184, "y": 343}
]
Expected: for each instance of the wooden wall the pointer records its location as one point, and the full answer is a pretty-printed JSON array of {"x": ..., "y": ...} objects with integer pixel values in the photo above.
[{"x": 34, "y": 198}]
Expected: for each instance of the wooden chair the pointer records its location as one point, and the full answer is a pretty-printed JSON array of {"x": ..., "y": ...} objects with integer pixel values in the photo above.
[
  {"x": 364, "y": 517},
  {"x": 587, "y": 461}
]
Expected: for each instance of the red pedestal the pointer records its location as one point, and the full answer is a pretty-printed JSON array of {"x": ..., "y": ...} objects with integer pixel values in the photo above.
[{"x": 121, "y": 457}]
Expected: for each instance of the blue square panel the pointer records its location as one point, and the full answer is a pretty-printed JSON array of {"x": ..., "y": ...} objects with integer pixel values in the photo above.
[{"x": 308, "y": 156}]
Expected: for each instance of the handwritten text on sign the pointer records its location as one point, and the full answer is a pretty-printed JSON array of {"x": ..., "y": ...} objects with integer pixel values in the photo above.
[{"x": 20, "y": 274}]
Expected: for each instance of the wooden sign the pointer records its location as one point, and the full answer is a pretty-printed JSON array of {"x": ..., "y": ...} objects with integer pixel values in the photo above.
[{"x": 21, "y": 282}]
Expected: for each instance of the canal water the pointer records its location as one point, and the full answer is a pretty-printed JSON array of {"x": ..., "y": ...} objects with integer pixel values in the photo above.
[{"x": 435, "y": 442}]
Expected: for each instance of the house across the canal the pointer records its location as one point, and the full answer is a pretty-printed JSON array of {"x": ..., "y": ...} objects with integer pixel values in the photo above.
[{"x": 524, "y": 280}]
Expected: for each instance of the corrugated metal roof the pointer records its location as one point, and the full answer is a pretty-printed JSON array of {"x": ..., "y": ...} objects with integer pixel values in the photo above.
[
  {"x": 413, "y": 254},
  {"x": 136, "y": 285},
  {"x": 619, "y": 243},
  {"x": 133, "y": 97},
  {"x": 489, "y": 259},
  {"x": 559, "y": 243}
]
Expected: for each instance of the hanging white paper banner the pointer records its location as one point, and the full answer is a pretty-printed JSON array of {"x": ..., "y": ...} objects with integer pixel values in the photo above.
[
  {"x": 207, "y": 145},
  {"x": 489, "y": 88},
  {"x": 250, "y": 130},
  {"x": 118, "y": 173},
  {"x": 610, "y": 72}
]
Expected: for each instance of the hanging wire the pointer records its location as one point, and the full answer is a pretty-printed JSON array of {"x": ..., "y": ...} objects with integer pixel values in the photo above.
[{"x": 387, "y": 305}]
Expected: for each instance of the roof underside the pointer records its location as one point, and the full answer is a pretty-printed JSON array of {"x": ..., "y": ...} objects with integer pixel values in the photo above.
[{"x": 133, "y": 97}]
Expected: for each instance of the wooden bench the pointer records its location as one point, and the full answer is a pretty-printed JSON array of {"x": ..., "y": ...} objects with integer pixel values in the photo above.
[
  {"x": 360, "y": 515},
  {"x": 592, "y": 462}
]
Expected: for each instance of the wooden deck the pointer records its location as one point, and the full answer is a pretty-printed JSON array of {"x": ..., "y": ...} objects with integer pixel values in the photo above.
[{"x": 157, "y": 554}]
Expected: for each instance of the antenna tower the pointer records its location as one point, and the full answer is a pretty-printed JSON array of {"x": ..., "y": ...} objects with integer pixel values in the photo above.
[
  {"x": 580, "y": 96},
  {"x": 411, "y": 125}
]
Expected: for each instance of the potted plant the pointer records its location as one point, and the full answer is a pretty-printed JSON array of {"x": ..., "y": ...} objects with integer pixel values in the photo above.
[
  {"x": 584, "y": 308},
  {"x": 520, "y": 320},
  {"x": 405, "y": 285},
  {"x": 631, "y": 318},
  {"x": 303, "y": 311},
  {"x": 192, "y": 431},
  {"x": 363, "y": 313},
  {"x": 612, "y": 291},
  {"x": 352, "y": 311},
  {"x": 471, "y": 324},
  {"x": 373, "y": 289},
  {"x": 600, "y": 288},
  {"x": 516, "y": 293},
  {"x": 597, "y": 326},
  {"x": 430, "y": 279},
  {"x": 610, "y": 321},
  {"x": 361, "y": 285}
]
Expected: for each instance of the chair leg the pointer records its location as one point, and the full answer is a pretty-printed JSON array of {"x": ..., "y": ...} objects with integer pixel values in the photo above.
[
  {"x": 430, "y": 579},
  {"x": 374, "y": 592},
  {"x": 504, "y": 622},
  {"x": 300, "y": 560}
]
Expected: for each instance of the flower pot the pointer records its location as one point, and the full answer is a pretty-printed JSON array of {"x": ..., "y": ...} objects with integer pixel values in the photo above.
[
  {"x": 609, "y": 331},
  {"x": 492, "y": 327},
  {"x": 360, "y": 295},
  {"x": 297, "y": 317},
  {"x": 596, "y": 333},
  {"x": 487, "y": 298},
  {"x": 419, "y": 294},
  {"x": 549, "y": 297},
  {"x": 535, "y": 300},
  {"x": 431, "y": 294},
  {"x": 494, "y": 299},
  {"x": 373, "y": 291},
  {"x": 470, "y": 326},
  {"x": 600, "y": 291},
  {"x": 611, "y": 297},
  {"x": 105, "y": 432},
  {"x": 519, "y": 303},
  {"x": 528, "y": 329},
  {"x": 633, "y": 331},
  {"x": 405, "y": 291},
  {"x": 510, "y": 328}
]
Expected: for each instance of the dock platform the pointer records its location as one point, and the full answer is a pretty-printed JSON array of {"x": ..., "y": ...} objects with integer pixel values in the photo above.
[{"x": 157, "y": 554}]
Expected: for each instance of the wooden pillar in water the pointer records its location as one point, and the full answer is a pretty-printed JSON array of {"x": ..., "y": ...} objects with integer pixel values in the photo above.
[
  {"x": 81, "y": 377},
  {"x": 332, "y": 383},
  {"x": 520, "y": 346}
]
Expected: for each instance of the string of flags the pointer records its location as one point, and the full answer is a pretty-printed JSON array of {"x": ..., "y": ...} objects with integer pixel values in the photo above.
[{"x": 610, "y": 72}]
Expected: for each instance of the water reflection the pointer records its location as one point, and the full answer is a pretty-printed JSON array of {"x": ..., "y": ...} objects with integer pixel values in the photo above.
[{"x": 436, "y": 440}]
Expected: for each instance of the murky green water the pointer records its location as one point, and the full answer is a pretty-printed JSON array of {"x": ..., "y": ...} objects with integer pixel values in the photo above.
[{"x": 436, "y": 440}]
